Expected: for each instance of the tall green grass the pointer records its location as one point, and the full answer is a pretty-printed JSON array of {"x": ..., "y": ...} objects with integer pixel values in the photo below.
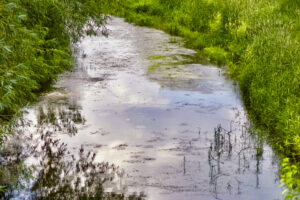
[
  {"x": 259, "y": 41},
  {"x": 35, "y": 39}
]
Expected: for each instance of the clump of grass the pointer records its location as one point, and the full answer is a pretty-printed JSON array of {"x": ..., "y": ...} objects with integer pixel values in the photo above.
[{"x": 216, "y": 54}]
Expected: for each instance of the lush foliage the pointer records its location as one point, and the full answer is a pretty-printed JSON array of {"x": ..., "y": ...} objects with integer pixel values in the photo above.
[
  {"x": 259, "y": 41},
  {"x": 35, "y": 42}
]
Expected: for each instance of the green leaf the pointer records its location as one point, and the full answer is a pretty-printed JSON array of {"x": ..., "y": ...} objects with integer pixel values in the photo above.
[
  {"x": 6, "y": 48},
  {"x": 22, "y": 17}
]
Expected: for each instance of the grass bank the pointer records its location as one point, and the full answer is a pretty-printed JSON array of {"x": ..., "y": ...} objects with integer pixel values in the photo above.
[
  {"x": 35, "y": 40},
  {"x": 35, "y": 45},
  {"x": 259, "y": 41}
]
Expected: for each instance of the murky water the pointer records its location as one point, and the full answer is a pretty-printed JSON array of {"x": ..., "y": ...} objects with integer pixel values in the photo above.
[{"x": 169, "y": 127}]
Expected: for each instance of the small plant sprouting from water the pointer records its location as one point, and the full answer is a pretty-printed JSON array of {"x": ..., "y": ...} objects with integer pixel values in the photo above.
[
  {"x": 58, "y": 173},
  {"x": 62, "y": 175},
  {"x": 62, "y": 118},
  {"x": 13, "y": 172},
  {"x": 225, "y": 148}
]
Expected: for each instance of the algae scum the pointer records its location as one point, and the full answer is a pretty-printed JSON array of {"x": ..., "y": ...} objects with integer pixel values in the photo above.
[{"x": 140, "y": 118}]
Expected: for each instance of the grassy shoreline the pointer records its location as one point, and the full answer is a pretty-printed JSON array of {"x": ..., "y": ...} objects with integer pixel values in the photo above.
[
  {"x": 35, "y": 41},
  {"x": 35, "y": 45},
  {"x": 259, "y": 41}
]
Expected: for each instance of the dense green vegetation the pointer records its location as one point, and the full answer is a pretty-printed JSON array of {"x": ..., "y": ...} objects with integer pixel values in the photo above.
[
  {"x": 259, "y": 41},
  {"x": 35, "y": 40}
]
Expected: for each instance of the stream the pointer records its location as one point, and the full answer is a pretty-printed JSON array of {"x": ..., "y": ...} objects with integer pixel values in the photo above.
[{"x": 140, "y": 117}]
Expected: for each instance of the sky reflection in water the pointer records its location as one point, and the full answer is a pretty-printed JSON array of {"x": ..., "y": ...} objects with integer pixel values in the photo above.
[{"x": 179, "y": 130}]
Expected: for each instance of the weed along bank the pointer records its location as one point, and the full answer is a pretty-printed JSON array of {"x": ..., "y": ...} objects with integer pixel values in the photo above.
[{"x": 170, "y": 100}]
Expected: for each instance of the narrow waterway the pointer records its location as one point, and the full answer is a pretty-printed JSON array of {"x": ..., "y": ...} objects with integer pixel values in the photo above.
[{"x": 162, "y": 126}]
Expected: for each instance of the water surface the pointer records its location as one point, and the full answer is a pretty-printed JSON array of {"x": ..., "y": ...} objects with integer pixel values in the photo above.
[{"x": 167, "y": 126}]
